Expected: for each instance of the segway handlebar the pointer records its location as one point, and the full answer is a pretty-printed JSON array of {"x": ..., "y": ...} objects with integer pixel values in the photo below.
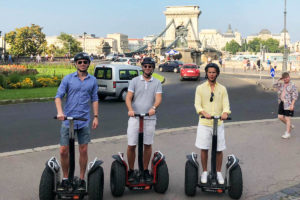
[
  {"x": 141, "y": 115},
  {"x": 73, "y": 118},
  {"x": 216, "y": 117}
]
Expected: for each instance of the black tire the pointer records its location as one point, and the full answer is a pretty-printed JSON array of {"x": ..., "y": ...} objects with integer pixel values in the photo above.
[
  {"x": 96, "y": 184},
  {"x": 117, "y": 179},
  {"x": 123, "y": 94},
  {"x": 162, "y": 175},
  {"x": 191, "y": 179},
  {"x": 46, "y": 189},
  {"x": 101, "y": 97},
  {"x": 236, "y": 183}
]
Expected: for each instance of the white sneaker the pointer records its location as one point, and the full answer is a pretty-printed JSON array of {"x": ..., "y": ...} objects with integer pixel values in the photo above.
[
  {"x": 292, "y": 126},
  {"x": 286, "y": 135},
  {"x": 204, "y": 177},
  {"x": 220, "y": 178}
]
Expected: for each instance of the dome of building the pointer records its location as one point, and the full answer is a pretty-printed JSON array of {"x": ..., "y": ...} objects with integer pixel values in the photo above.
[{"x": 265, "y": 31}]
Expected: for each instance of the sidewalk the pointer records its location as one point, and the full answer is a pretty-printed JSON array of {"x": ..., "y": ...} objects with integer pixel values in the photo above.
[{"x": 270, "y": 165}]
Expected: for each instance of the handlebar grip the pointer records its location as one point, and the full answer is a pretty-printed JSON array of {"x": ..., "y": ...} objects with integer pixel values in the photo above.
[
  {"x": 141, "y": 115},
  {"x": 73, "y": 118},
  {"x": 216, "y": 117}
]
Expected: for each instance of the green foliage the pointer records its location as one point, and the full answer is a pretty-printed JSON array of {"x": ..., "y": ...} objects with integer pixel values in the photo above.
[
  {"x": 232, "y": 47},
  {"x": 14, "y": 78},
  {"x": 254, "y": 45},
  {"x": 26, "y": 40},
  {"x": 3, "y": 81},
  {"x": 69, "y": 44},
  {"x": 272, "y": 45}
]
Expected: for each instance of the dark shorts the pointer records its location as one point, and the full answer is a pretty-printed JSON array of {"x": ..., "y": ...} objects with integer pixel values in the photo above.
[
  {"x": 83, "y": 135},
  {"x": 281, "y": 111}
]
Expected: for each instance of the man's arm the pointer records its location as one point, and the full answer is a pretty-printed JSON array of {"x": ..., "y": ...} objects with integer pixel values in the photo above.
[
  {"x": 158, "y": 99},
  {"x": 226, "y": 106},
  {"x": 128, "y": 102},
  {"x": 95, "y": 111},
  {"x": 60, "y": 113}
]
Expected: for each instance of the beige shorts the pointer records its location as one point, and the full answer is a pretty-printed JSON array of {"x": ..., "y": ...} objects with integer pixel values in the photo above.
[
  {"x": 204, "y": 137},
  {"x": 133, "y": 131}
]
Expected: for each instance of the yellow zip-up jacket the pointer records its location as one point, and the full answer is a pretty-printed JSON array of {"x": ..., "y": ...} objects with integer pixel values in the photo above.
[{"x": 217, "y": 107}]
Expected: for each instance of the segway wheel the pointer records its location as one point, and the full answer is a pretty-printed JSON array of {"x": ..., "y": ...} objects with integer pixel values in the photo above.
[
  {"x": 236, "y": 183},
  {"x": 117, "y": 179},
  {"x": 162, "y": 175},
  {"x": 191, "y": 179},
  {"x": 95, "y": 184},
  {"x": 46, "y": 189}
]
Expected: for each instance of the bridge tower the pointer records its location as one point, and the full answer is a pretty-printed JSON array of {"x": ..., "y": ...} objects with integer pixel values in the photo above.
[{"x": 183, "y": 16}]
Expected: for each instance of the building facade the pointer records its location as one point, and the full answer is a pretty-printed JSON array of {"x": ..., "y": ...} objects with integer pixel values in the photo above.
[{"x": 265, "y": 34}]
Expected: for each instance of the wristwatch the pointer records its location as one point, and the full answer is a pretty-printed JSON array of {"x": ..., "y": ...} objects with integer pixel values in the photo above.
[
  {"x": 153, "y": 107},
  {"x": 96, "y": 116}
]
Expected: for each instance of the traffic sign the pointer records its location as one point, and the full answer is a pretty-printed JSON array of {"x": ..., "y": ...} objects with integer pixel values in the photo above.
[{"x": 272, "y": 72}]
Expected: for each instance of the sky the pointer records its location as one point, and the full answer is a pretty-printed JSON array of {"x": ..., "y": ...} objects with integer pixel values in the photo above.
[{"x": 139, "y": 18}]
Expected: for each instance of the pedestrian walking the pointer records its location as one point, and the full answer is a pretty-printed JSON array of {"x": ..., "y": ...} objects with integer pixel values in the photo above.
[
  {"x": 80, "y": 89},
  {"x": 211, "y": 99},
  {"x": 287, "y": 96}
]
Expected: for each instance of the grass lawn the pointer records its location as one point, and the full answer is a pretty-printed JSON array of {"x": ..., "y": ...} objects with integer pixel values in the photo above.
[{"x": 10, "y": 94}]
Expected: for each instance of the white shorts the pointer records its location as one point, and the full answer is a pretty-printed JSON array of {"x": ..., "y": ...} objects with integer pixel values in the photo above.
[
  {"x": 133, "y": 131},
  {"x": 204, "y": 137}
]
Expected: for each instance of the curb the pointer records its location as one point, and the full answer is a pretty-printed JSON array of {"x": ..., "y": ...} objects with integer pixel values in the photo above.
[
  {"x": 119, "y": 137},
  {"x": 15, "y": 101}
]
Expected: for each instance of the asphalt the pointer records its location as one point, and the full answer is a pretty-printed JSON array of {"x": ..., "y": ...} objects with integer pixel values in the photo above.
[{"x": 270, "y": 165}]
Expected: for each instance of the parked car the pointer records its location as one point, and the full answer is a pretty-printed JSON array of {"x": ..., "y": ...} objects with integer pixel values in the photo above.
[
  {"x": 113, "y": 79},
  {"x": 171, "y": 66},
  {"x": 112, "y": 56},
  {"x": 189, "y": 71},
  {"x": 125, "y": 61}
]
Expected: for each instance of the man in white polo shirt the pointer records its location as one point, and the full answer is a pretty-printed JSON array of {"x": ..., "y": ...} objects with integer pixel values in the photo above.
[{"x": 144, "y": 96}]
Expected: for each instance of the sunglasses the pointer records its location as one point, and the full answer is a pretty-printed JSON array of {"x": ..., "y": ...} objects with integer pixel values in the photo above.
[
  {"x": 211, "y": 97},
  {"x": 84, "y": 62},
  {"x": 147, "y": 66}
]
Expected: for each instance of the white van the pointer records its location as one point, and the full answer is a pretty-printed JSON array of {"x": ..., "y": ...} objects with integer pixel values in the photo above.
[{"x": 113, "y": 79}]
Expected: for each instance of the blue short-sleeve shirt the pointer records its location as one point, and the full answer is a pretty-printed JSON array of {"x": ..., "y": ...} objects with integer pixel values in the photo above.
[{"x": 79, "y": 95}]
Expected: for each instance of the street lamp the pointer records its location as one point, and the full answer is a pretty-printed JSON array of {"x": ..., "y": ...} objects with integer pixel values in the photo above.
[
  {"x": 84, "y": 33},
  {"x": 284, "y": 64}
]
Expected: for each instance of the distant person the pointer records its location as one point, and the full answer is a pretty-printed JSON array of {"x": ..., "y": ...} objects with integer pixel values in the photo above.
[
  {"x": 269, "y": 64},
  {"x": 31, "y": 58},
  {"x": 211, "y": 98},
  {"x": 38, "y": 58},
  {"x": 258, "y": 63},
  {"x": 287, "y": 96},
  {"x": 275, "y": 64},
  {"x": 245, "y": 64},
  {"x": 3, "y": 58},
  {"x": 10, "y": 61},
  {"x": 209, "y": 60}
]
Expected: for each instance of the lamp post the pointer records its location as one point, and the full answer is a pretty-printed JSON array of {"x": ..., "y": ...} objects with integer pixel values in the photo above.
[
  {"x": 84, "y": 33},
  {"x": 284, "y": 64}
]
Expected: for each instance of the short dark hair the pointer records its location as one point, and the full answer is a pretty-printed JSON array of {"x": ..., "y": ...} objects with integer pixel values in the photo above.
[
  {"x": 285, "y": 74},
  {"x": 212, "y": 65}
]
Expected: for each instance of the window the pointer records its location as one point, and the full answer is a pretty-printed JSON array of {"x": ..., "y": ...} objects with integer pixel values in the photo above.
[
  {"x": 103, "y": 73},
  {"x": 127, "y": 74}
]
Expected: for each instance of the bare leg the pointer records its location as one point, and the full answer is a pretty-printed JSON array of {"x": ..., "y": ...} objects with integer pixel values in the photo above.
[
  {"x": 64, "y": 160},
  {"x": 288, "y": 124},
  {"x": 83, "y": 159},
  {"x": 147, "y": 155},
  {"x": 219, "y": 160},
  {"x": 282, "y": 118},
  {"x": 131, "y": 156},
  {"x": 204, "y": 157}
]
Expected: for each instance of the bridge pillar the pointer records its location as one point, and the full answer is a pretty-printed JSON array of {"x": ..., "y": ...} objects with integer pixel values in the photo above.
[{"x": 181, "y": 16}]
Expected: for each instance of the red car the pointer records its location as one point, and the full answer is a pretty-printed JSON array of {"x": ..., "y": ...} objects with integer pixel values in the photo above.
[{"x": 189, "y": 71}]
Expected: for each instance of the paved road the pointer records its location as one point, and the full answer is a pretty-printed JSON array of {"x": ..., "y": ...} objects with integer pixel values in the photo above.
[
  {"x": 31, "y": 125},
  {"x": 268, "y": 163}
]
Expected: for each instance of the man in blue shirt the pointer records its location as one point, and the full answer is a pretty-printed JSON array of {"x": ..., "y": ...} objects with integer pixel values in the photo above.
[{"x": 81, "y": 89}]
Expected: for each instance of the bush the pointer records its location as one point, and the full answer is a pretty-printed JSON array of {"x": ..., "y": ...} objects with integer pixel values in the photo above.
[
  {"x": 14, "y": 78},
  {"x": 3, "y": 81}
]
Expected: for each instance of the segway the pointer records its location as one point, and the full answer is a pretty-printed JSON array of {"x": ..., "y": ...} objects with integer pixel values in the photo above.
[
  {"x": 119, "y": 170},
  {"x": 233, "y": 179},
  {"x": 50, "y": 179}
]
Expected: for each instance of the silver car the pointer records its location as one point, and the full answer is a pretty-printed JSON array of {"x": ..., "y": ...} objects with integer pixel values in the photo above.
[
  {"x": 125, "y": 61},
  {"x": 113, "y": 79}
]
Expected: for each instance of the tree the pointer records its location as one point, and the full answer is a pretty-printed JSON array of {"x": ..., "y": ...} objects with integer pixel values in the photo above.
[
  {"x": 232, "y": 47},
  {"x": 254, "y": 45},
  {"x": 26, "y": 40},
  {"x": 272, "y": 45},
  {"x": 69, "y": 45}
]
